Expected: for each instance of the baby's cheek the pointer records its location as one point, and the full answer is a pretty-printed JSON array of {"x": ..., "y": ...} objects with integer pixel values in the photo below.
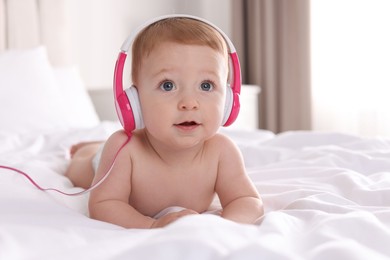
[{"x": 216, "y": 117}]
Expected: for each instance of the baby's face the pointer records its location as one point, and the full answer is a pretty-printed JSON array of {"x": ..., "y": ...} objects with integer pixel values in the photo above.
[{"x": 182, "y": 91}]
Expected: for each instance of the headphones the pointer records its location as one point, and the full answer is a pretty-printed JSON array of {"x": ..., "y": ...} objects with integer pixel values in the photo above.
[{"x": 127, "y": 102}]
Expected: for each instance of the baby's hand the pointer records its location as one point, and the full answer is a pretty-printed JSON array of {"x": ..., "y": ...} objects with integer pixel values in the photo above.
[{"x": 171, "y": 217}]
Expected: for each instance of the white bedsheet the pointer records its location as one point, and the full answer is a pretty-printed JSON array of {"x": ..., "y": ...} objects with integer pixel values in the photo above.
[{"x": 326, "y": 196}]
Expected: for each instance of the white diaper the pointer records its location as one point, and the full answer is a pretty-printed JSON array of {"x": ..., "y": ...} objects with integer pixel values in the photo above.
[{"x": 96, "y": 158}]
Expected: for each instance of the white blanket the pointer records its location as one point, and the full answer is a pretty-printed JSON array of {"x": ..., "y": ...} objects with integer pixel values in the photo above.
[{"x": 326, "y": 196}]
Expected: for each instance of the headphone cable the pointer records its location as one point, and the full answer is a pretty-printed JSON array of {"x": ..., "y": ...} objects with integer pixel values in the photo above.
[{"x": 66, "y": 193}]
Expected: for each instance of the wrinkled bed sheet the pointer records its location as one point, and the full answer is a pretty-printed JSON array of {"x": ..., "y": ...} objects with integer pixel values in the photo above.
[{"x": 326, "y": 196}]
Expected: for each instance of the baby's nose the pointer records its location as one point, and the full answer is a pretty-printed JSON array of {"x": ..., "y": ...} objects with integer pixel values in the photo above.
[{"x": 188, "y": 103}]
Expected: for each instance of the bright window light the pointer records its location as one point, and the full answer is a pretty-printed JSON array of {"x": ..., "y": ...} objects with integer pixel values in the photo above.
[{"x": 351, "y": 66}]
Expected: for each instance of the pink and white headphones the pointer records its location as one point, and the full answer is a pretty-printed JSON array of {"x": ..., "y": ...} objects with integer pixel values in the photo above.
[{"x": 127, "y": 102}]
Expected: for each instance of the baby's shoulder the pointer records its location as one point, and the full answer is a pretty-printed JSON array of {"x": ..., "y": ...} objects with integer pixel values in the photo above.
[
  {"x": 133, "y": 142},
  {"x": 221, "y": 141},
  {"x": 120, "y": 138},
  {"x": 226, "y": 148}
]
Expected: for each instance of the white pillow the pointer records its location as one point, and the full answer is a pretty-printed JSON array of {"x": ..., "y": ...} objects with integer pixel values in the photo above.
[
  {"x": 78, "y": 103},
  {"x": 30, "y": 95}
]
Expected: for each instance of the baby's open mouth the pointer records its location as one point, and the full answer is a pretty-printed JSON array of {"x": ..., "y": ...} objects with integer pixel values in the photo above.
[{"x": 188, "y": 123}]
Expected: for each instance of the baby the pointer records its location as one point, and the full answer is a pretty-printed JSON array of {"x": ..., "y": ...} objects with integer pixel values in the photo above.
[{"x": 180, "y": 68}]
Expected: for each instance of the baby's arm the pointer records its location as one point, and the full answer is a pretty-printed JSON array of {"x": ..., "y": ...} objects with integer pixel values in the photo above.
[
  {"x": 239, "y": 198},
  {"x": 110, "y": 201}
]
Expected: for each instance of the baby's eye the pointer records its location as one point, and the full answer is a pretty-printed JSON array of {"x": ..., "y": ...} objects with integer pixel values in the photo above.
[
  {"x": 167, "y": 86},
  {"x": 206, "y": 86}
]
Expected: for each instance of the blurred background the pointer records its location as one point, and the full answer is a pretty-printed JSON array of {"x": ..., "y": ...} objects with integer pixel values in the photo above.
[{"x": 321, "y": 65}]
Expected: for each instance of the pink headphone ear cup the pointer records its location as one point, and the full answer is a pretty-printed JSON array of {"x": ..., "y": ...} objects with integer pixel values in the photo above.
[
  {"x": 232, "y": 107},
  {"x": 124, "y": 112},
  {"x": 135, "y": 104}
]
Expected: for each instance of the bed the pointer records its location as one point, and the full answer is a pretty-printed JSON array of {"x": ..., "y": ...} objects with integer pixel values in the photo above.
[{"x": 326, "y": 194}]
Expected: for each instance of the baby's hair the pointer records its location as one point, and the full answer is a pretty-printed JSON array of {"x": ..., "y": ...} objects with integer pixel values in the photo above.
[{"x": 179, "y": 30}]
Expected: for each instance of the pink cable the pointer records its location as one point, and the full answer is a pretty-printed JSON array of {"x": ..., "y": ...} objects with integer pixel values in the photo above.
[{"x": 65, "y": 193}]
